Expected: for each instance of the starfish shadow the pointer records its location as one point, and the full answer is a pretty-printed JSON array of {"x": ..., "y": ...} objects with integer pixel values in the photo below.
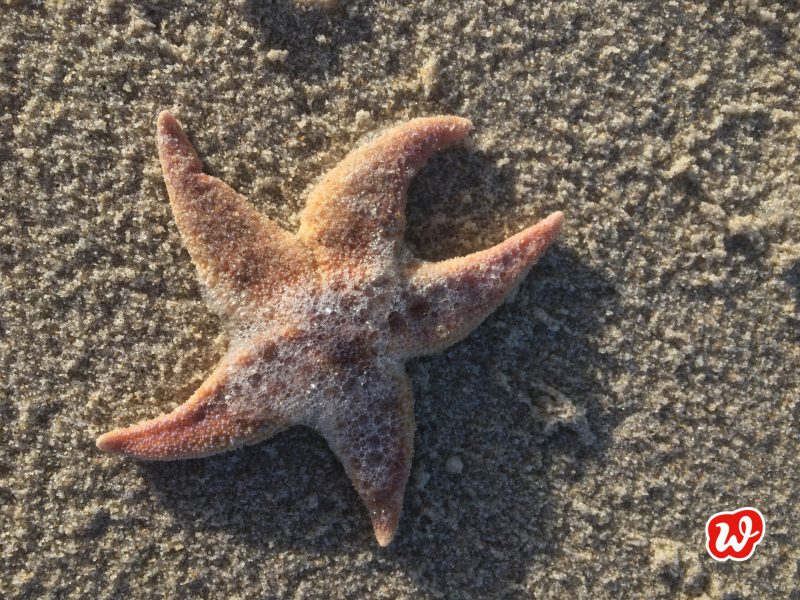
[
  {"x": 289, "y": 492},
  {"x": 520, "y": 405},
  {"x": 460, "y": 194},
  {"x": 518, "y": 402}
]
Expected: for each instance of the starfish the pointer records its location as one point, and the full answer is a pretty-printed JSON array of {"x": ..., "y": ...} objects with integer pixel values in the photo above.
[{"x": 322, "y": 321}]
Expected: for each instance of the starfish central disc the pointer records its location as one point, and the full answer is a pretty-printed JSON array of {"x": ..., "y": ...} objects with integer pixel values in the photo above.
[{"x": 324, "y": 319}]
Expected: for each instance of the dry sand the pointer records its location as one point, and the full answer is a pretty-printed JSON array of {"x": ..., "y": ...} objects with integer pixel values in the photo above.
[{"x": 642, "y": 378}]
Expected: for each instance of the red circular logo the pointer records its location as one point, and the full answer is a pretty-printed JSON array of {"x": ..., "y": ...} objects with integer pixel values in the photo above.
[{"x": 734, "y": 535}]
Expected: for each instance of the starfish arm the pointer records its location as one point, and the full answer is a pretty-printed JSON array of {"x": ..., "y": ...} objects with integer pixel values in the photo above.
[
  {"x": 446, "y": 300},
  {"x": 373, "y": 437},
  {"x": 357, "y": 211},
  {"x": 240, "y": 403},
  {"x": 240, "y": 255}
]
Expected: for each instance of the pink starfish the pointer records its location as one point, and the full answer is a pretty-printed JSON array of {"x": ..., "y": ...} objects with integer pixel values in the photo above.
[{"x": 323, "y": 320}]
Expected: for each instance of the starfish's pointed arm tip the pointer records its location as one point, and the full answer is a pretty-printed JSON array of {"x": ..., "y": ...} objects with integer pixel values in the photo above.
[
  {"x": 444, "y": 129},
  {"x": 106, "y": 443},
  {"x": 556, "y": 218},
  {"x": 529, "y": 243},
  {"x": 384, "y": 537},
  {"x": 550, "y": 226},
  {"x": 167, "y": 124},
  {"x": 169, "y": 130},
  {"x": 113, "y": 442},
  {"x": 385, "y": 527},
  {"x": 523, "y": 249},
  {"x": 462, "y": 124},
  {"x": 177, "y": 155}
]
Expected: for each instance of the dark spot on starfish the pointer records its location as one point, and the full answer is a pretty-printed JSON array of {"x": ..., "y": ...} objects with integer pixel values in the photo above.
[
  {"x": 418, "y": 308},
  {"x": 348, "y": 352},
  {"x": 397, "y": 324},
  {"x": 197, "y": 415},
  {"x": 373, "y": 460},
  {"x": 268, "y": 352}
]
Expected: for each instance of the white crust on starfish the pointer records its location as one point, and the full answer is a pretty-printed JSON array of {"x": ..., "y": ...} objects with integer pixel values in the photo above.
[{"x": 323, "y": 320}]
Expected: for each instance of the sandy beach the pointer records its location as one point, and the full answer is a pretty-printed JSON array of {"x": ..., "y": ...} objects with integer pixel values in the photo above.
[{"x": 643, "y": 377}]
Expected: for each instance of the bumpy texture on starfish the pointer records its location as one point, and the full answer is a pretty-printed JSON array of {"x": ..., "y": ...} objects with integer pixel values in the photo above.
[{"x": 323, "y": 320}]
